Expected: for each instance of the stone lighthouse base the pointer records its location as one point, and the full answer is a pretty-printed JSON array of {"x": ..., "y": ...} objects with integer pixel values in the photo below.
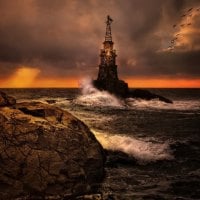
[{"x": 116, "y": 87}]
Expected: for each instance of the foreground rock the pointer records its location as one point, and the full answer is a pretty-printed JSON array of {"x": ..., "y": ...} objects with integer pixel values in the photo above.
[
  {"x": 46, "y": 152},
  {"x": 51, "y": 101},
  {"x": 6, "y": 100}
]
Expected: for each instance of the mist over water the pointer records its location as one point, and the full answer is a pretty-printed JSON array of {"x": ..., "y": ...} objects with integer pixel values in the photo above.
[{"x": 93, "y": 97}]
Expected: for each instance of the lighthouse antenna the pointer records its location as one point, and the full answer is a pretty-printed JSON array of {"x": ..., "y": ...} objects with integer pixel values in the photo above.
[{"x": 108, "y": 36}]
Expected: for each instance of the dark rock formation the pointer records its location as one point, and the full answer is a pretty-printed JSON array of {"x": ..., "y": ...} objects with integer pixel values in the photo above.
[
  {"x": 51, "y": 101},
  {"x": 46, "y": 152},
  {"x": 116, "y": 87},
  {"x": 117, "y": 158},
  {"x": 6, "y": 100},
  {"x": 145, "y": 94}
]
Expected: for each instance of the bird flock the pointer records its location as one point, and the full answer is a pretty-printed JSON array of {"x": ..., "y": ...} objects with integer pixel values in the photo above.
[{"x": 186, "y": 16}]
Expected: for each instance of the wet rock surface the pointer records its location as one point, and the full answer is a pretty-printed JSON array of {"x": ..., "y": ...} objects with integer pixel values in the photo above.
[
  {"x": 51, "y": 101},
  {"x": 46, "y": 152},
  {"x": 114, "y": 86},
  {"x": 6, "y": 100}
]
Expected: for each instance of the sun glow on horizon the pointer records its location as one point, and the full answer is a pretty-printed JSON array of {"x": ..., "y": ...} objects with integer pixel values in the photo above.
[
  {"x": 22, "y": 78},
  {"x": 162, "y": 83},
  {"x": 28, "y": 77},
  {"x": 74, "y": 83}
]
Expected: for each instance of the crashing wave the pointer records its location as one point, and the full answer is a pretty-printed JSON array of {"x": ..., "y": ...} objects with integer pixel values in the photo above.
[
  {"x": 141, "y": 150},
  {"x": 93, "y": 97}
]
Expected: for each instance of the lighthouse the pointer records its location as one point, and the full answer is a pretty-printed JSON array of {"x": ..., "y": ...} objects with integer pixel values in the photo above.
[{"x": 108, "y": 76}]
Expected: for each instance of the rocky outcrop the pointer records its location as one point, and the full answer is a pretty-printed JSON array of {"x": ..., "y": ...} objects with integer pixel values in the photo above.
[
  {"x": 120, "y": 89},
  {"x": 117, "y": 87},
  {"x": 145, "y": 94},
  {"x": 46, "y": 152},
  {"x": 6, "y": 100},
  {"x": 51, "y": 101}
]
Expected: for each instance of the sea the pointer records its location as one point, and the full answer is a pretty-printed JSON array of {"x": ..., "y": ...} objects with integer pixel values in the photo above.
[{"x": 152, "y": 148}]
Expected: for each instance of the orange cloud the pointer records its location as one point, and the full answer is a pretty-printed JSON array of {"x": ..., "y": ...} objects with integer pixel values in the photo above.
[
  {"x": 22, "y": 78},
  {"x": 27, "y": 77}
]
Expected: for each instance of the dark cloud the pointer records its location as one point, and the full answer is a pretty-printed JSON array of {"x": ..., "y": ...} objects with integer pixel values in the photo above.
[{"x": 63, "y": 37}]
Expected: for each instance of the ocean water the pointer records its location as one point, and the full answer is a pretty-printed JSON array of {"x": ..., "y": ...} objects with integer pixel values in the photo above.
[{"x": 153, "y": 148}]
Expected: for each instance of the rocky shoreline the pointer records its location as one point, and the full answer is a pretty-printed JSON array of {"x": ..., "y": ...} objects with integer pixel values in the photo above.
[{"x": 46, "y": 153}]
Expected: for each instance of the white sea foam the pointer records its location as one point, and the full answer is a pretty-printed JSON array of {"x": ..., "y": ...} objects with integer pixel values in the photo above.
[
  {"x": 141, "y": 150},
  {"x": 156, "y": 104},
  {"x": 93, "y": 97}
]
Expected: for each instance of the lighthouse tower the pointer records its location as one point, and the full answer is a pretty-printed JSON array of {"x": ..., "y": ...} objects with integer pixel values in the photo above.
[
  {"x": 108, "y": 77},
  {"x": 107, "y": 67}
]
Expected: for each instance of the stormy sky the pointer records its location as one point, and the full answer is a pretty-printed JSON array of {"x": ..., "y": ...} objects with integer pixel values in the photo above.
[{"x": 62, "y": 38}]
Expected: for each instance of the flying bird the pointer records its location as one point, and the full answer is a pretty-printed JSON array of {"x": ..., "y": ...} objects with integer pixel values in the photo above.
[{"x": 174, "y": 40}]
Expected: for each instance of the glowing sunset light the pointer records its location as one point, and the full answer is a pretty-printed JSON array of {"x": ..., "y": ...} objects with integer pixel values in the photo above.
[
  {"x": 163, "y": 83},
  {"x": 57, "y": 83},
  {"x": 23, "y": 77}
]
